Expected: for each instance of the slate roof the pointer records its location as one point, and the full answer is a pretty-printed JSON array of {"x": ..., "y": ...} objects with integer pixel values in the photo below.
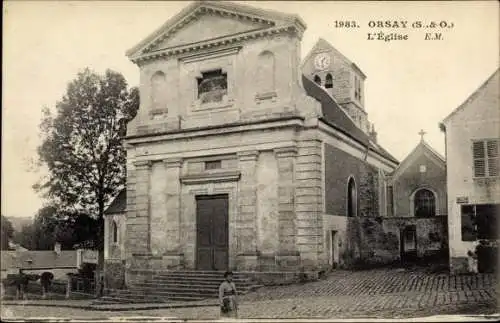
[
  {"x": 39, "y": 259},
  {"x": 335, "y": 116},
  {"x": 119, "y": 204}
]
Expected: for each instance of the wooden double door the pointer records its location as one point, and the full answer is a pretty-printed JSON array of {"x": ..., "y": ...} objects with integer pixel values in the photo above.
[{"x": 212, "y": 232}]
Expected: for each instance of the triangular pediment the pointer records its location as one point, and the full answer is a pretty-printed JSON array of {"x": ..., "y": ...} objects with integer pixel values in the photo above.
[
  {"x": 206, "y": 27},
  {"x": 206, "y": 21},
  {"x": 422, "y": 150}
]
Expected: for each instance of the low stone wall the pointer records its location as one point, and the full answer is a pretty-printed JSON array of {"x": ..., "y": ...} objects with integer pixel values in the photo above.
[
  {"x": 375, "y": 241},
  {"x": 114, "y": 274}
]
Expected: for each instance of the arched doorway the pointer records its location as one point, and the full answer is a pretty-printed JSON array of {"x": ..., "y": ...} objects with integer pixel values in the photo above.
[
  {"x": 352, "y": 198},
  {"x": 424, "y": 203}
]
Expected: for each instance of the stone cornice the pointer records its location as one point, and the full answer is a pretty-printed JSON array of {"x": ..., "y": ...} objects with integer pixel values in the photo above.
[
  {"x": 198, "y": 13},
  {"x": 173, "y": 162},
  {"x": 213, "y": 43},
  {"x": 280, "y": 122},
  {"x": 212, "y": 54},
  {"x": 143, "y": 163},
  {"x": 283, "y": 152},
  {"x": 249, "y": 155},
  {"x": 266, "y": 18},
  {"x": 211, "y": 177}
]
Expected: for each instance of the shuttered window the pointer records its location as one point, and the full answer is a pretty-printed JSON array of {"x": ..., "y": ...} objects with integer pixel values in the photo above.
[{"x": 486, "y": 158}]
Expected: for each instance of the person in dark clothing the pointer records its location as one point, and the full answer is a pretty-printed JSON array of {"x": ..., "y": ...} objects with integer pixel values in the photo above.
[{"x": 228, "y": 296}]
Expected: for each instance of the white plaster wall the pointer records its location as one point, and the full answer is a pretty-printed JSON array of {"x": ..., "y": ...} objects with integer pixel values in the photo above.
[{"x": 479, "y": 120}]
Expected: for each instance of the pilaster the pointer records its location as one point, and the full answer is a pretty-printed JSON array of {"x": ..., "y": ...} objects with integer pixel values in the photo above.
[
  {"x": 138, "y": 227},
  {"x": 158, "y": 201},
  {"x": 247, "y": 211},
  {"x": 287, "y": 256},
  {"x": 173, "y": 255}
]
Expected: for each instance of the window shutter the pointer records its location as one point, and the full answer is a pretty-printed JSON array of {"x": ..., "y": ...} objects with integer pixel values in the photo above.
[
  {"x": 478, "y": 149},
  {"x": 492, "y": 148},
  {"x": 478, "y": 154},
  {"x": 493, "y": 159}
]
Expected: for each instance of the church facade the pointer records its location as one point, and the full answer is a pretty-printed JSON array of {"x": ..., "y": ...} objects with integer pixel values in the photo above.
[{"x": 238, "y": 157}]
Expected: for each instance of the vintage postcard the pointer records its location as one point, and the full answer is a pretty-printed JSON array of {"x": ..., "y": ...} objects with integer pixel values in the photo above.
[{"x": 250, "y": 160}]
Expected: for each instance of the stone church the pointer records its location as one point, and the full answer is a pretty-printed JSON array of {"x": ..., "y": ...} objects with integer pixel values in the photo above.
[{"x": 241, "y": 156}]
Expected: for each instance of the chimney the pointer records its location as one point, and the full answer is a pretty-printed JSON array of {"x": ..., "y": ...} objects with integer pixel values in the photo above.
[
  {"x": 57, "y": 248},
  {"x": 373, "y": 134}
]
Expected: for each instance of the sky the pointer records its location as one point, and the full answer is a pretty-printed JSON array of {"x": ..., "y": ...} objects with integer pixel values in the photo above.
[{"x": 411, "y": 84}]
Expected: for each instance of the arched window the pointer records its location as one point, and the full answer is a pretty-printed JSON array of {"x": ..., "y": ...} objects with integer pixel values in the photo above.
[
  {"x": 352, "y": 198},
  {"x": 328, "y": 81},
  {"x": 114, "y": 229},
  {"x": 317, "y": 80},
  {"x": 424, "y": 203},
  {"x": 158, "y": 89},
  {"x": 265, "y": 72}
]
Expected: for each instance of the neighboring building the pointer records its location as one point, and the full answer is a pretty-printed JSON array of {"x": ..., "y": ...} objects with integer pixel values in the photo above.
[
  {"x": 472, "y": 154},
  {"x": 417, "y": 205},
  {"x": 59, "y": 263},
  {"x": 114, "y": 240},
  {"x": 236, "y": 160}
]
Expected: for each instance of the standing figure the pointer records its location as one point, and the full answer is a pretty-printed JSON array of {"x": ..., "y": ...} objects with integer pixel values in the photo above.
[
  {"x": 45, "y": 280},
  {"x": 22, "y": 281},
  {"x": 228, "y": 297}
]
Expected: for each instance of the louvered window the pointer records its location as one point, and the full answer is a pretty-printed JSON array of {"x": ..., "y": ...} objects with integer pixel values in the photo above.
[
  {"x": 486, "y": 158},
  {"x": 329, "y": 81}
]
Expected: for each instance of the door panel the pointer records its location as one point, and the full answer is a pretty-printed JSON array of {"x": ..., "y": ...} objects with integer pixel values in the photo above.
[
  {"x": 408, "y": 244},
  {"x": 212, "y": 232}
]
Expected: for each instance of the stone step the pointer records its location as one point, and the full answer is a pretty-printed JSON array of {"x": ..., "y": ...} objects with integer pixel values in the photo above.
[
  {"x": 197, "y": 279},
  {"x": 169, "y": 281},
  {"x": 215, "y": 275},
  {"x": 189, "y": 272},
  {"x": 158, "y": 297},
  {"x": 187, "y": 287},
  {"x": 186, "y": 283},
  {"x": 140, "y": 292},
  {"x": 166, "y": 293},
  {"x": 177, "y": 286},
  {"x": 110, "y": 299}
]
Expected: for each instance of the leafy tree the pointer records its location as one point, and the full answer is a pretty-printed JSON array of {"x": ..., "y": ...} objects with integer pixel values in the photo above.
[
  {"x": 7, "y": 232},
  {"x": 39, "y": 235},
  {"x": 25, "y": 237},
  {"x": 81, "y": 144}
]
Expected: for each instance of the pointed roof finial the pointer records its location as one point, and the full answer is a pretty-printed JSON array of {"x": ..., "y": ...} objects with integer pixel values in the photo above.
[{"x": 422, "y": 133}]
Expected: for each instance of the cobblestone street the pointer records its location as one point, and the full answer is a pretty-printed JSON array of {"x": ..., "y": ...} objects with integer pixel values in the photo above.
[{"x": 343, "y": 294}]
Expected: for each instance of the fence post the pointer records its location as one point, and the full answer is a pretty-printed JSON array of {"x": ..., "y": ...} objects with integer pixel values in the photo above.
[{"x": 68, "y": 286}]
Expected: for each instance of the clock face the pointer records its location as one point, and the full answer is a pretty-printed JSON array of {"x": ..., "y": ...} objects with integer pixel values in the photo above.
[{"x": 322, "y": 61}]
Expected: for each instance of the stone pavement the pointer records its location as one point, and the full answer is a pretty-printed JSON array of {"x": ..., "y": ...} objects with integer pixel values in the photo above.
[{"x": 343, "y": 294}]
